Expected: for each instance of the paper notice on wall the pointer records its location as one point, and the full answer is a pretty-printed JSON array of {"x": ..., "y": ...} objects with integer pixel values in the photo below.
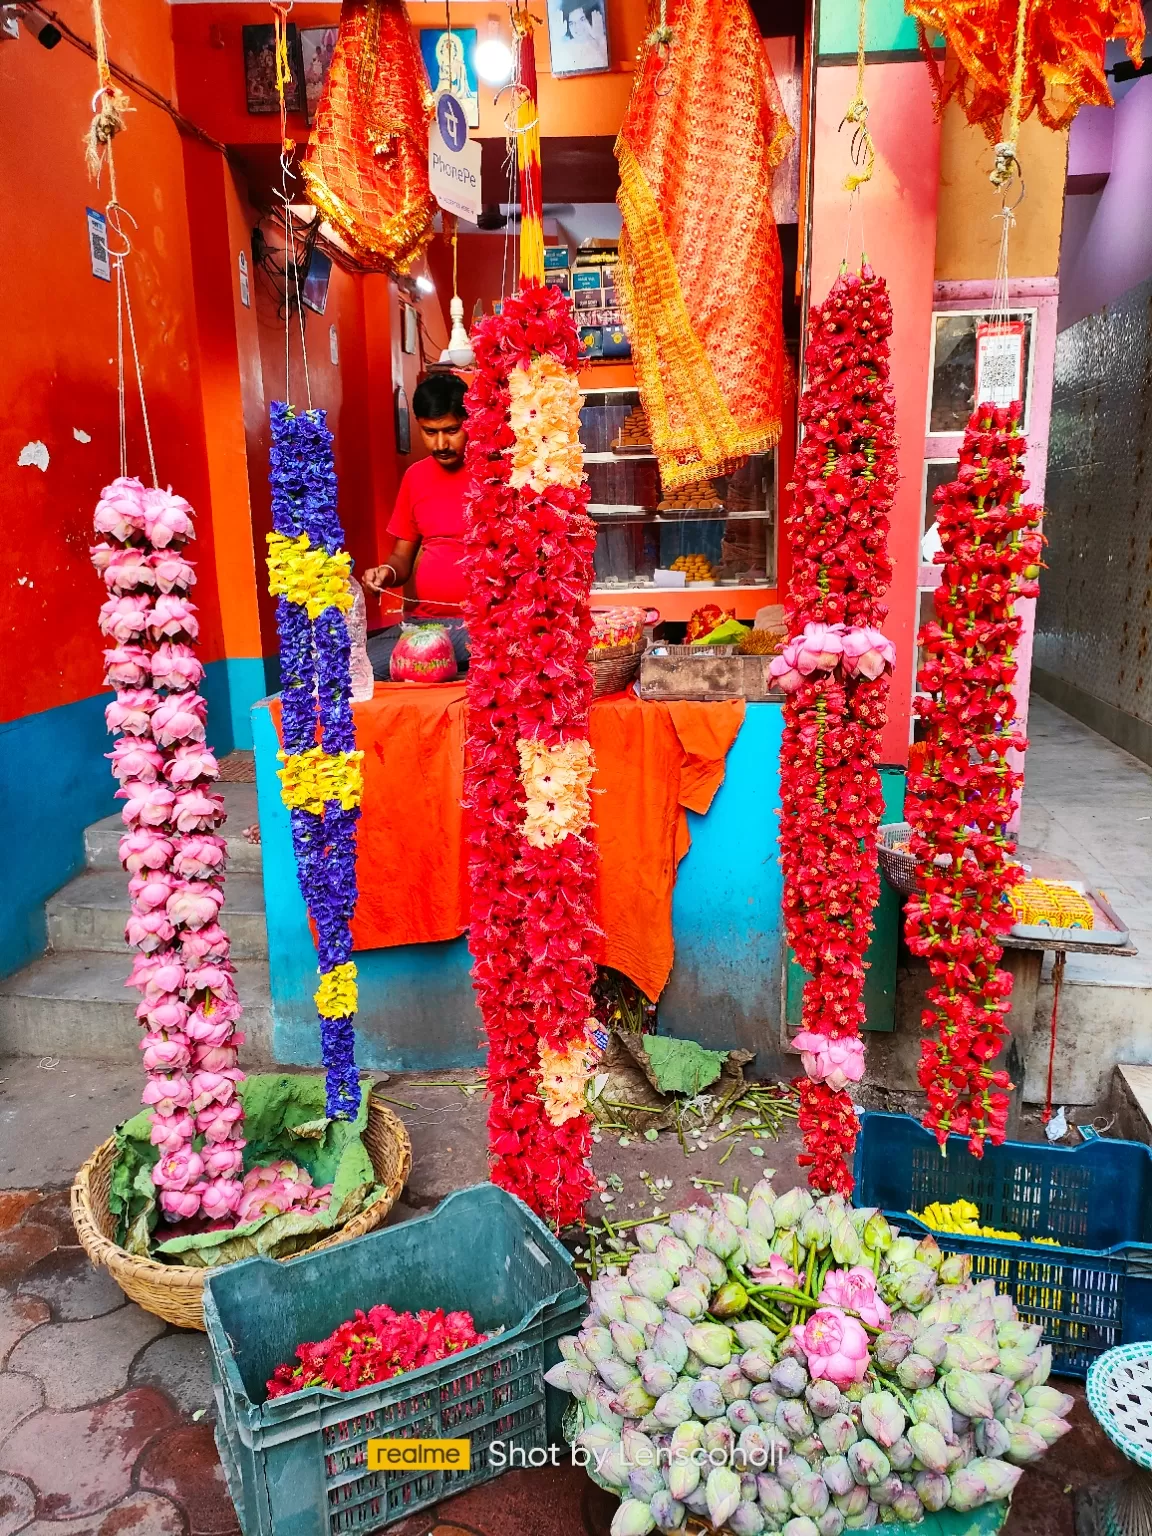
[
  {"x": 98, "y": 245},
  {"x": 999, "y": 362}
]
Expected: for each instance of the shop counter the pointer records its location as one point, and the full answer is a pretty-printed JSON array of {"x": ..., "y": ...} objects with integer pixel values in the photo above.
[{"x": 416, "y": 1006}]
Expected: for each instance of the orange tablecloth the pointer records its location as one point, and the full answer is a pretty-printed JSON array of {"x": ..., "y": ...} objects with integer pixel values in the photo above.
[{"x": 654, "y": 761}]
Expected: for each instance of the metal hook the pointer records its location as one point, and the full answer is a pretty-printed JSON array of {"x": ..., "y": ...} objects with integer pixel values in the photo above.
[{"x": 112, "y": 213}]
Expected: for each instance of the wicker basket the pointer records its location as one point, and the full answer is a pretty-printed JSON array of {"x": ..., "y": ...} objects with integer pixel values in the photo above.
[
  {"x": 901, "y": 868},
  {"x": 174, "y": 1291},
  {"x": 615, "y": 668}
]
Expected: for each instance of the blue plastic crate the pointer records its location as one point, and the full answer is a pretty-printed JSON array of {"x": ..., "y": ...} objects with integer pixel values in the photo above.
[
  {"x": 297, "y": 1466},
  {"x": 1092, "y": 1292}
]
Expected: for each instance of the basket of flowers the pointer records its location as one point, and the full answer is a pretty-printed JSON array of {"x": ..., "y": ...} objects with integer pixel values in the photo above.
[{"x": 617, "y": 646}]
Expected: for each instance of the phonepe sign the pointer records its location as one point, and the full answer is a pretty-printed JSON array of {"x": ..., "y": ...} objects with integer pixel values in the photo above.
[{"x": 454, "y": 161}]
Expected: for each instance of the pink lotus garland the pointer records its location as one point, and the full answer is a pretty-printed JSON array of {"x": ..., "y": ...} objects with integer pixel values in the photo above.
[
  {"x": 861, "y": 652},
  {"x": 175, "y": 858}
]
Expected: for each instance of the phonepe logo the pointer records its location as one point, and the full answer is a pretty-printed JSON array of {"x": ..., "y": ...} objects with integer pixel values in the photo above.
[{"x": 451, "y": 121}]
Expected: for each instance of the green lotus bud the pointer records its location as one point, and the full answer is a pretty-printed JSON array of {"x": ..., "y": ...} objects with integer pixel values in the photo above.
[
  {"x": 1025, "y": 1444},
  {"x": 633, "y": 1518},
  {"x": 569, "y": 1348},
  {"x": 882, "y": 1417},
  {"x": 712, "y": 1342},
  {"x": 639, "y": 1450},
  {"x": 774, "y": 1498},
  {"x": 634, "y": 1401},
  {"x": 992, "y": 1437},
  {"x": 707, "y": 1400},
  {"x": 907, "y": 1508},
  {"x": 823, "y": 1397},
  {"x": 930, "y": 1406},
  {"x": 655, "y": 1284},
  {"x": 710, "y": 1265},
  {"x": 964, "y": 1353},
  {"x": 884, "y": 1493},
  {"x": 933, "y": 1490},
  {"x": 932, "y": 1343},
  {"x": 766, "y": 1397},
  {"x": 607, "y": 1305},
  {"x": 597, "y": 1344},
  {"x": 753, "y": 1449},
  {"x": 901, "y": 1454},
  {"x": 757, "y": 1250},
  {"x": 868, "y": 1462},
  {"x": 800, "y": 1525},
  {"x": 928, "y": 1252},
  {"x": 837, "y": 1434},
  {"x": 861, "y": 1215},
  {"x": 733, "y": 1383},
  {"x": 930, "y": 1447},
  {"x": 559, "y": 1376},
  {"x": 693, "y": 1279},
  {"x": 658, "y": 1378},
  {"x": 967, "y": 1394},
  {"x": 697, "y": 1502},
  {"x": 846, "y": 1247},
  {"x": 901, "y": 1251},
  {"x": 1047, "y": 1426},
  {"x": 810, "y": 1496},
  {"x": 616, "y": 1373},
  {"x": 689, "y": 1303},
  {"x": 830, "y": 1523},
  {"x": 955, "y": 1269},
  {"x": 742, "y": 1415},
  {"x": 878, "y": 1234},
  {"x": 790, "y": 1207},
  {"x": 752, "y": 1334},
  {"x": 1015, "y": 1364},
  {"x": 791, "y": 1469},
  {"x": 915, "y": 1373},
  {"x": 613, "y": 1466},
  {"x": 789, "y": 1377},
  {"x": 760, "y": 1217},
  {"x": 890, "y": 1348},
  {"x": 1011, "y": 1410},
  {"x": 1048, "y": 1400},
  {"x": 731, "y": 1206},
  {"x": 1043, "y": 1367},
  {"x": 916, "y": 1286},
  {"x": 641, "y": 1312},
  {"x": 756, "y": 1364},
  {"x": 668, "y": 1513},
  {"x": 722, "y": 1237},
  {"x": 1020, "y": 1335},
  {"x": 793, "y": 1418},
  {"x": 730, "y": 1300},
  {"x": 648, "y": 1236},
  {"x": 837, "y": 1474},
  {"x": 723, "y": 1494},
  {"x": 672, "y": 1408},
  {"x": 596, "y": 1439},
  {"x": 854, "y": 1503},
  {"x": 644, "y": 1483},
  {"x": 673, "y": 1253},
  {"x": 670, "y": 1347},
  {"x": 814, "y": 1230},
  {"x": 691, "y": 1224},
  {"x": 969, "y": 1490},
  {"x": 906, "y": 1323},
  {"x": 746, "y": 1519},
  {"x": 627, "y": 1341},
  {"x": 719, "y": 1442},
  {"x": 683, "y": 1476}
]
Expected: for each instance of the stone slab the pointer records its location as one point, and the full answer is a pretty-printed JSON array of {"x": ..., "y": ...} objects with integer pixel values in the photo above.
[{"x": 81, "y": 1363}]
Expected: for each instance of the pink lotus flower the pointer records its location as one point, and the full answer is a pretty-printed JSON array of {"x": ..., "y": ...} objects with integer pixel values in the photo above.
[
  {"x": 867, "y": 652},
  {"x": 157, "y": 976},
  {"x": 216, "y": 979},
  {"x": 167, "y": 1095},
  {"x": 819, "y": 648},
  {"x": 147, "y": 805},
  {"x": 209, "y": 1088},
  {"x": 179, "y": 718},
  {"x": 168, "y": 1013},
  {"x": 177, "y": 667},
  {"x": 211, "y": 1030},
  {"x": 783, "y": 671},
  {"x": 216, "y": 1058},
  {"x": 126, "y": 618},
  {"x": 144, "y": 848},
  {"x": 148, "y": 931},
  {"x": 120, "y": 510},
  {"x": 225, "y": 1160},
  {"x": 131, "y": 711},
  {"x": 190, "y": 762},
  {"x": 194, "y": 904},
  {"x": 174, "y": 615},
  {"x": 177, "y": 1170},
  {"x": 101, "y": 556},
  {"x": 836, "y": 1346},
  {"x": 161, "y": 1055},
  {"x": 854, "y": 1290},
  {"x": 172, "y": 571},
  {"x": 210, "y": 943},
  {"x": 127, "y": 570},
  {"x": 217, "y": 1122},
  {"x": 135, "y": 758},
  {"x": 171, "y": 1132},
  {"x": 198, "y": 856},
  {"x": 150, "y": 890},
  {"x": 220, "y": 1199},
  {"x": 835, "y": 1062},
  {"x": 197, "y": 810},
  {"x": 127, "y": 666},
  {"x": 181, "y": 1204},
  {"x": 167, "y": 519},
  {"x": 776, "y": 1272}
]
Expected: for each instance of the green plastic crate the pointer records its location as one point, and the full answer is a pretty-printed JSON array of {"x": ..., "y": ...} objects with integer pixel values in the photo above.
[{"x": 297, "y": 1466}]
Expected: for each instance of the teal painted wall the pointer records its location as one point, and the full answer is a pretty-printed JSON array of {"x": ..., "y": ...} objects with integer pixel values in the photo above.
[{"x": 887, "y": 28}]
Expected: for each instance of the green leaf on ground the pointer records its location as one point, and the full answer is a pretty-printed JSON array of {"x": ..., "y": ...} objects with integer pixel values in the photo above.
[{"x": 682, "y": 1066}]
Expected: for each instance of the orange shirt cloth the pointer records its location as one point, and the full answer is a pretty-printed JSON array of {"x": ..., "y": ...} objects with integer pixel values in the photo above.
[
  {"x": 430, "y": 508},
  {"x": 654, "y": 762}
]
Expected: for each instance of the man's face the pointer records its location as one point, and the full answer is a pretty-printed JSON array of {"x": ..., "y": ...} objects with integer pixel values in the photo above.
[{"x": 445, "y": 440}]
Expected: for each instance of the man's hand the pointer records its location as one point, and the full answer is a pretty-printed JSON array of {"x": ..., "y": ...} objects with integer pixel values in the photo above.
[{"x": 375, "y": 579}]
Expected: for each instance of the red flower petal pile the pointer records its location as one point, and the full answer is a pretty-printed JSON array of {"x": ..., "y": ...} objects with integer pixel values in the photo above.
[
  {"x": 961, "y": 799},
  {"x": 530, "y": 570},
  {"x": 845, "y": 478},
  {"x": 374, "y": 1346}
]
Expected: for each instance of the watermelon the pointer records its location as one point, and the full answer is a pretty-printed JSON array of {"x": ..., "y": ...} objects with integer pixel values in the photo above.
[{"x": 423, "y": 654}]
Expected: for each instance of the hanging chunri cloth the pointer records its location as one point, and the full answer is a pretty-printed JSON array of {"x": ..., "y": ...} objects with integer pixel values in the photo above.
[
  {"x": 367, "y": 163},
  {"x": 700, "y": 269}
]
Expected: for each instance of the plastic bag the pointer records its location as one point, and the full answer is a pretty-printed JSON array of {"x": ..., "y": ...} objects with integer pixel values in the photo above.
[{"x": 360, "y": 667}]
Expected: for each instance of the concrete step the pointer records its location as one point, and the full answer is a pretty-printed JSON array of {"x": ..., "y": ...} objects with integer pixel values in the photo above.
[
  {"x": 102, "y": 838},
  {"x": 75, "y": 1003},
  {"x": 90, "y": 913}
]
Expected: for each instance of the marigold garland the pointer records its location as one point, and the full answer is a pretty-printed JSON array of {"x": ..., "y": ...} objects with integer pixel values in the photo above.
[
  {"x": 835, "y": 674},
  {"x": 532, "y": 871},
  {"x": 961, "y": 799}
]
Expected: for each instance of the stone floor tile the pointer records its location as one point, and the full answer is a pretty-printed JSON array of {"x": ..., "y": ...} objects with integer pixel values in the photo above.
[
  {"x": 18, "y": 1316},
  {"x": 13, "y": 1204},
  {"x": 180, "y": 1364},
  {"x": 72, "y": 1286},
  {"x": 20, "y": 1247},
  {"x": 20, "y": 1397},
  {"x": 140, "y": 1514},
  {"x": 183, "y": 1464},
  {"x": 17, "y": 1505},
  {"x": 81, "y": 1363},
  {"x": 54, "y": 1210},
  {"x": 82, "y": 1462},
  {"x": 551, "y": 1501}
]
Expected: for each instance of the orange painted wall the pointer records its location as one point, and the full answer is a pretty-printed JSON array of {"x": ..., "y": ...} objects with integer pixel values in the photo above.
[{"x": 59, "y": 344}]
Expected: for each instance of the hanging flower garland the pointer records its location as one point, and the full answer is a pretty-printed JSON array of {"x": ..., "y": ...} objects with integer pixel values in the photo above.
[
  {"x": 835, "y": 674},
  {"x": 961, "y": 800},
  {"x": 172, "y": 850},
  {"x": 529, "y": 764},
  {"x": 321, "y": 776}
]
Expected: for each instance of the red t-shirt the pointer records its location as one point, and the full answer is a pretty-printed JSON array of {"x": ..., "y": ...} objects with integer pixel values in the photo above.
[{"x": 430, "y": 507}]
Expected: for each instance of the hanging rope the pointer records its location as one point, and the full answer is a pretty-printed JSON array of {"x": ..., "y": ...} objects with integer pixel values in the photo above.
[
  {"x": 856, "y": 116},
  {"x": 281, "y": 10},
  {"x": 1007, "y": 169},
  {"x": 1057, "y": 983},
  {"x": 108, "y": 105}
]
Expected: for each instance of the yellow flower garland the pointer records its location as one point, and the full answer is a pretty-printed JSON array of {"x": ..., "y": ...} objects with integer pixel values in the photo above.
[
  {"x": 556, "y": 784},
  {"x": 336, "y": 996},
  {"x": 311, "y": 779},
  {"x": 563, "y": 1078},
  {"x": 545, "y": 417},
  {"x": 308, "y": 576}
]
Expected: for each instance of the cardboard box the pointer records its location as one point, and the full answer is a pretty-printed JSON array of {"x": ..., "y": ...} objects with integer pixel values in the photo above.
[
  {"x": 588, "y": 299},
  {"x": 557, "y": 278},
  {"x": 555, "y": 256},
  {"x": 584, "y": 278},
  {"x": 591, "y": 341}
]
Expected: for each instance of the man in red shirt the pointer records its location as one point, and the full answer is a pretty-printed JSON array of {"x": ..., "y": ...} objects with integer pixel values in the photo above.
[{"x": 428, "y": 526}]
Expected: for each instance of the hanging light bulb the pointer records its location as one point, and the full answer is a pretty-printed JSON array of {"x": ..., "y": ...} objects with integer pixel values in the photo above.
[
  {"x": 460, "y": 353},
  {"x": 493, "y": 57}
]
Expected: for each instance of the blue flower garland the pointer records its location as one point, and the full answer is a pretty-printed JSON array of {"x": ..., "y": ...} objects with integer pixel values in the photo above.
[{"x": 320, "y": 777}]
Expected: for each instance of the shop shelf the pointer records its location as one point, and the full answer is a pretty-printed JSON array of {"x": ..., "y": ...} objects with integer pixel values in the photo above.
[
  {"x": 297, "y": 1466},
  {"x": 1091, "y": 1292}
]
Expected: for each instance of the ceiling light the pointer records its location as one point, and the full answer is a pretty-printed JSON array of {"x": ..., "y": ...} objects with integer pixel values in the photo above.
[
  {"x": 425, "y": 284},
  {"x": 493, "y": 61}
]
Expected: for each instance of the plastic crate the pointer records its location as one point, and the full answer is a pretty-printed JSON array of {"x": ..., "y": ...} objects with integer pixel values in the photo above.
[
  {"x": 1091, "y": 1293},
  {"x": 297, "y": 1466}
]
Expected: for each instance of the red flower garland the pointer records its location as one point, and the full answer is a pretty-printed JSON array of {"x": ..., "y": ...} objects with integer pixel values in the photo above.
[
  {"x": 961, "y": 800},
  {"x": 832, "y": 803},
  {"x": 530, "y": 571}
]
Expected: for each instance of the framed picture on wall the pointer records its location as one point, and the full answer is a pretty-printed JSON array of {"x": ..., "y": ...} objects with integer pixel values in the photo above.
[
  {"x": 578, "y": 37},
  {"x": 450, "y": 59},
  {"x": 409, "y": 329},
  {"x": 314, "y": 294},
  {"x": 260, "y": 70},
  {"x": 952, "y": 395},
  {"x": 317, "y": 45}
]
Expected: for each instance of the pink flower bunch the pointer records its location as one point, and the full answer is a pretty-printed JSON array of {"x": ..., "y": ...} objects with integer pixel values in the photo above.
[
  {"x": 835, "y": 1346},
  {"x": 862, "y": 652},
  {"x": 833, "y": 1059},
  {"x": 854, "y": 1290}
]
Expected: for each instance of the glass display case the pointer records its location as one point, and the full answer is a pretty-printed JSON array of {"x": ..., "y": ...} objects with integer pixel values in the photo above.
[{"x": 721, "y": 532}]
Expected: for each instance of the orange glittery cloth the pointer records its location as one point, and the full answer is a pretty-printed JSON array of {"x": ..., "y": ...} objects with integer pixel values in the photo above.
[
  {"x": 700, "y": 271},
  {"x": 1063, "y": 54},
  {"x": 654, "y": 762},
  {"x": 367, "y": 162}
]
